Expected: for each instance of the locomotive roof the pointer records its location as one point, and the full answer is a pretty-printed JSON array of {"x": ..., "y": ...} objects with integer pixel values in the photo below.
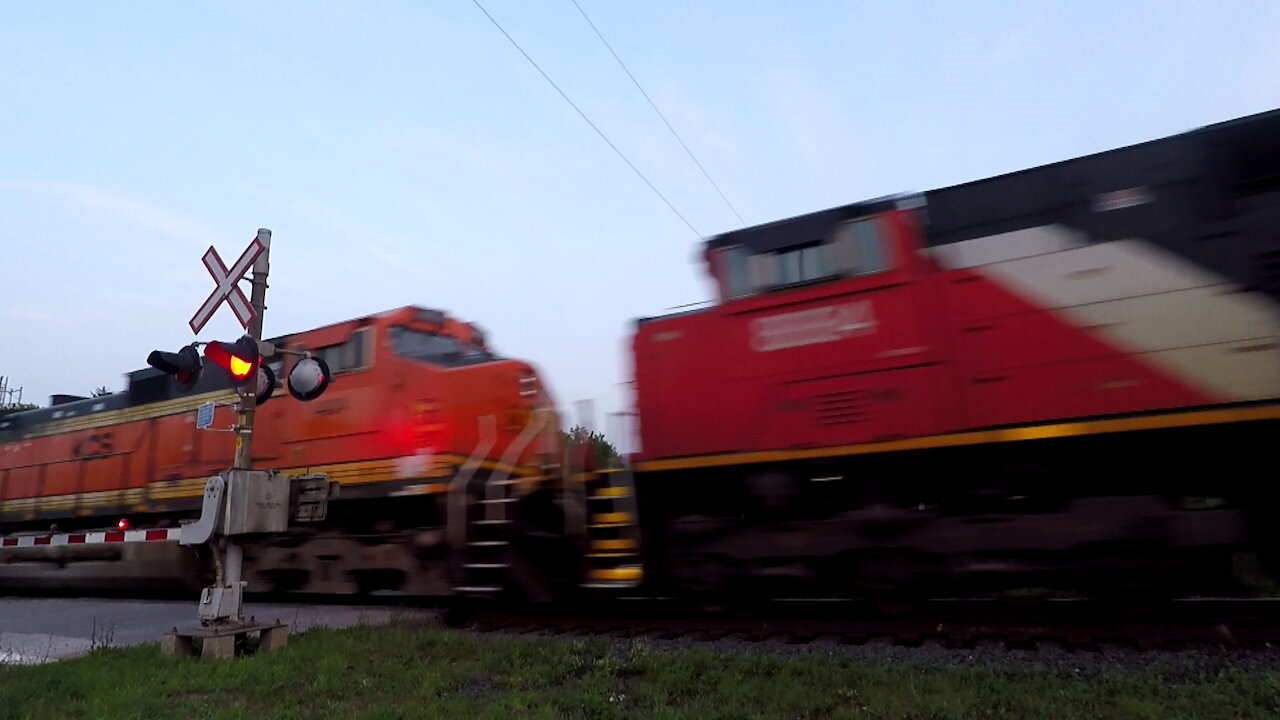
[
  {"x": 811, "y": 227},
  {"x": 149, "y": 385},
  {"x": 1219, "y": 182},
  {"x": 12, "y": 423},
  {"x": 1240, "y": 152},
  {"x": 1260, "y": 131}
]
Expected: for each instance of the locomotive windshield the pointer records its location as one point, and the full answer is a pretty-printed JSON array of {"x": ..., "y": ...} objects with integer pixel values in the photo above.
[
  {"x": 774, "y": 261},
  {"x": 435, "y": 348}
]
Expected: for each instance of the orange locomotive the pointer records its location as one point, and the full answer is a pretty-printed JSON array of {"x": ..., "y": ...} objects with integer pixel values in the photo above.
[{"x": 417, "y": 402}]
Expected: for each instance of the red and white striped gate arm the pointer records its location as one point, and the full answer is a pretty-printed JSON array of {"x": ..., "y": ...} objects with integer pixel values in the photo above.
[{"x": 93, "y": 538}]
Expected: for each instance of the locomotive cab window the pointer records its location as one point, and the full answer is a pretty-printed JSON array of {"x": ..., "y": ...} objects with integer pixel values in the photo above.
[
  {"x": 807, "y": 263},
  {"x": 346, "y": 356},
  {"x": 735, "y": 272},
  {"x": 434, "y": 348},
  {"x": 804, "y": 264},
  {"x": 859, "y": 249}
]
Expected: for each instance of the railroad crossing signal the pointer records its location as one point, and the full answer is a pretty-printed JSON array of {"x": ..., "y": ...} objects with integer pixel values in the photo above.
[
  {"x": 308, "y": 379},
  {"x": 266, "y": 383},
  {"x": 183, "y": 365},
  {"x": 226, "y": 285},
  {"x": 240, "y": 359}
]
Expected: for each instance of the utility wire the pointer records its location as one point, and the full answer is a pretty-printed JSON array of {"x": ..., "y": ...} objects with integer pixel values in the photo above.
[
  {"x": 584, "y": 117},
  {"x": 655, "y": 109}
]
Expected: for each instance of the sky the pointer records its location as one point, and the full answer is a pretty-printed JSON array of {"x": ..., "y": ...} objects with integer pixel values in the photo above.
[{"x": 406, "y": 153}]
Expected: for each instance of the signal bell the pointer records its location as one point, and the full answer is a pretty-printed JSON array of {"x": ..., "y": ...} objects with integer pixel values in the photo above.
[
  {"x": 266, "y": 383},
  {"x": 308, "y": 378},
  {"x": 183, "y": 365},
  {"x": 240, "y": 359}
]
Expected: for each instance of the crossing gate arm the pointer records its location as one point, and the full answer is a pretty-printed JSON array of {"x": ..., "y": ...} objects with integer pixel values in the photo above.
[
  {"x": 196, "y": 533},
  {"x": 93, "y": 538}
]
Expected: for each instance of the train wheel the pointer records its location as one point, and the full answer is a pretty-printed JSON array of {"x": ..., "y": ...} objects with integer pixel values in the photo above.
[
  {"x": 772, "y": 493},
  {"x": 456, "y": 612},
  {"x": 884, "y": 571},
  {"x": 1133, "y": 577},
  {"x": 706, "y": 581},
  {"x": 886, "y": 580},
  {"x": 286, "y": 580}
]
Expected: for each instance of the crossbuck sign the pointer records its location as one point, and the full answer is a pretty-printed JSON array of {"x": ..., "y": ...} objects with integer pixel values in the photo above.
[{"x": 227, "y": 288}]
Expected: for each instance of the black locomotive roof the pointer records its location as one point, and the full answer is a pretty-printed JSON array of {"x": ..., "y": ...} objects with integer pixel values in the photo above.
[
  {"x": 1193, "y": 179},
  {"x": 1218, "y": 183},
  {"x": 801, "y": 229},
  {"x": 1209, "y": 169},
  {"x": 14, "y": 425},
  {"x": 145, "y": 386},
  {"x": 1210, "y": 196}
]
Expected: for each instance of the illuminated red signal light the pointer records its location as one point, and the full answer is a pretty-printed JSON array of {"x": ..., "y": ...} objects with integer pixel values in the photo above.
[
  {"x": 240, "y": 359},
  {"x": 122, "y": 524}
]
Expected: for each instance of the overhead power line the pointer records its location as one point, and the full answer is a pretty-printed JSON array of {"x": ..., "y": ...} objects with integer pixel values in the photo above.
[
  {"x": 584, "y": 117},
  {"x": 664, "y": 117}
]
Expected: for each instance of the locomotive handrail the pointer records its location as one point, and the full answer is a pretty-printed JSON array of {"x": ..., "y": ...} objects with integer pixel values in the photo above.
[
  {"x": 509, "y": 459},
  {"x": 457, "y": 518},
  {"x": 573, "y": 486}
]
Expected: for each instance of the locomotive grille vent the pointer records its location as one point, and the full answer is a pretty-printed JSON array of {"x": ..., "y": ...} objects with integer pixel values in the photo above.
[{"x": 841, "y": 407}]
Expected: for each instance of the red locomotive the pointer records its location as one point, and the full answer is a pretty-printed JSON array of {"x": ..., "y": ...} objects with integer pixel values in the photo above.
[{"x": 1072, "y": 368}]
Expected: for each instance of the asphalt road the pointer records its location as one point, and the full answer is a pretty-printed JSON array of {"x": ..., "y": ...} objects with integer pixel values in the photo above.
[{"x": 44, "y": 629}]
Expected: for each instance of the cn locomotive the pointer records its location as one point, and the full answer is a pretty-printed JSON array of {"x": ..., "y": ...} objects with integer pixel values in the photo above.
[
  {"x": 1065, "y": 377},
  {"x": 1060, "y": 379}
]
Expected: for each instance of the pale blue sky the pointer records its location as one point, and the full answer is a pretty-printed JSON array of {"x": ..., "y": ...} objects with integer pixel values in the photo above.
[{"x": 405, "y": 153}]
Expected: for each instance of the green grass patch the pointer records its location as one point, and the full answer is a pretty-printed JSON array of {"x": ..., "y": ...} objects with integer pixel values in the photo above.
[{"x": 423, "y": 671}]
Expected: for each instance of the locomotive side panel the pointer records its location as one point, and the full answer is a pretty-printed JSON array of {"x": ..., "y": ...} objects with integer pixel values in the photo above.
[
  {"x": 823, "y": 361},
  {"x": 1020, "y": 363},
  {"x": 392, "y": 429},
  {"x": 115, "y": 463},
  {"x": 1134, "y": 280}
]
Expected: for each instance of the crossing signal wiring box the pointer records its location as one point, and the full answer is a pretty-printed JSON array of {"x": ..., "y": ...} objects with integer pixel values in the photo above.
[
  {"x": 257, "y": 502},
  {"x": 309, "y": 497}
]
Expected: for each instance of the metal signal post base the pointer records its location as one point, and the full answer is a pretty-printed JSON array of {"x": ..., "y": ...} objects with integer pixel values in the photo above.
[{"x": 224, "y": 642}]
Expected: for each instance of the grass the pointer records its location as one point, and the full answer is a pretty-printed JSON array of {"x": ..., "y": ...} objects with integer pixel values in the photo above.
[{"x": 421, "y": 671}]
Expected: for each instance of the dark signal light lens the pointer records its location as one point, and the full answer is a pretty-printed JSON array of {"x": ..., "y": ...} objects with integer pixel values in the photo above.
[
  {"x": 184, "y": 366},
  {"x": 266, "y": 385}
]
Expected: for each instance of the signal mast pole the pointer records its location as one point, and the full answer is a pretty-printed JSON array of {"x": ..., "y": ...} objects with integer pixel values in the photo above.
[{"x": 233, "y": 560}]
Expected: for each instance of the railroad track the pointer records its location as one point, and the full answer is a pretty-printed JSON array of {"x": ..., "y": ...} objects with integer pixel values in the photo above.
[
  {"x": 1071, "y": 626},
  {"x": 1075, "y": 626}
]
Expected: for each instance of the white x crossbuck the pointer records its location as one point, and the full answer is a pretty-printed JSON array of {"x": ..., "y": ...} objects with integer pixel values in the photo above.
[{"x": 227, "y": 288}]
